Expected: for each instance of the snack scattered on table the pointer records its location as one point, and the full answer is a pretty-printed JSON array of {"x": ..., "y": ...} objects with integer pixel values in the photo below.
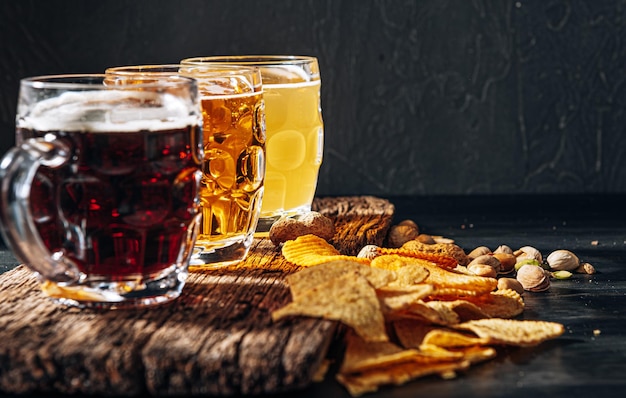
[
  {"x": 349, "y": 298},
  {"x": 312, "y": 223},
  {"x": 410, "y": 311},
  {"x": 309, "y": 250}
]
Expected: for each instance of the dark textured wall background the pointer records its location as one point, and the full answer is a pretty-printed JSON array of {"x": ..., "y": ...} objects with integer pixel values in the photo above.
[{"x": 419, "y": 97}]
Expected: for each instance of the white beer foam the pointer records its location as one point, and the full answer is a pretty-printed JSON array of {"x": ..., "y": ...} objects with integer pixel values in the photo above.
[
  {"x": 109, "y": 111},
  {"x": 293, "y": 85},
  {"x": 286, "y": 72}
]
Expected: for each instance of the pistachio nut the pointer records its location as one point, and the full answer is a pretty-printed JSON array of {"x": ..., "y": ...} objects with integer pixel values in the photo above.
[
  {"x": 528, "y": 252},
  {"x": 563, "y": 260},
  {"x": 479, "y": 251},
  {"x": 487, "y": 259},
  {"x": 510, "y": 283},
  {"x": 482, "y": 270},
  {"x": 507, "y": 262},
  {"x": 368, "y": 251},
  {"x": 520, "y": 263},
  {"x": 562, "y": 274},
  {"x": 503, "y": 249},
  {"x": 586, "y": 268},
  {"x": 400, "y": 234},
  {"x": 533, "y": 278}
]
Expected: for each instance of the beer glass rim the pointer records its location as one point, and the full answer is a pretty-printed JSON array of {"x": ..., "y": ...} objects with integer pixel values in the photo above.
[
  {"x": 96, "y": 81},
  {"x": 252, "y": 60},
  {"x": 161, "y": 69}
]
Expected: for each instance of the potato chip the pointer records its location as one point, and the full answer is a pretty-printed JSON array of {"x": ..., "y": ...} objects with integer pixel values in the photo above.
[
  {"x": 442, "y": 249},
  {"x": 513, "y": 332},
  {"x": 349, "y": 299},
  {"x": 310, "y": 250},
  {"x": 442, "y": 260}
]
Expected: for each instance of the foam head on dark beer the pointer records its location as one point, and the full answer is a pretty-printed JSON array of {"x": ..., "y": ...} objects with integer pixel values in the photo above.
[{"x": 106, "y": 111}]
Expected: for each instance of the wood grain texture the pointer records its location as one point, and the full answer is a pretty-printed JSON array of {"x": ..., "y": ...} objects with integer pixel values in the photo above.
[{"x": 217, "y": 338}]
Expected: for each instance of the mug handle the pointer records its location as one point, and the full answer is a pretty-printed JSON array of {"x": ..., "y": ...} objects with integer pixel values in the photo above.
[{"x": 17, "y": 171}]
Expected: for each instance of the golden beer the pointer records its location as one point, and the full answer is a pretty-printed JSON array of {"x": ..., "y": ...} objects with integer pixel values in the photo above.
[
  {"x": 233, "y": 169},
  {"x": 295, "y": 141},
  {"x": 295, "y": 132}
]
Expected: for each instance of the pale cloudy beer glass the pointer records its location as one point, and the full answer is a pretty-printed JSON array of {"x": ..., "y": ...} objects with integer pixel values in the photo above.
[
  {"x": 100, "y": 194},
  {"x": 295, "y": 133},
  {"x": 234, "y": 148}
]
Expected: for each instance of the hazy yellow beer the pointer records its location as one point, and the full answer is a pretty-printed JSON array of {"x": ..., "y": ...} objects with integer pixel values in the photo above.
[
  {"x": 295, "y": 133},
  {"x": 233, "y": 169}
]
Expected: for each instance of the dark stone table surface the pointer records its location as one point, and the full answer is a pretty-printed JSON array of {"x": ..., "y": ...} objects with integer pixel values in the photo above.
[{"x": 589, "y": 359}]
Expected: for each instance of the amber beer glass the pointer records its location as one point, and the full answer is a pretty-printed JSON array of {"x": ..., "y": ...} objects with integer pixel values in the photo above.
[
  {"x": 295, "y": 132},
  {"x": 100, "y": 194},
  {"x": 232, "y": 188}
]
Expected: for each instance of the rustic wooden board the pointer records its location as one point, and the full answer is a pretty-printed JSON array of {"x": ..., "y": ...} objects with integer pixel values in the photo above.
[{"x": 217, "y": 338}]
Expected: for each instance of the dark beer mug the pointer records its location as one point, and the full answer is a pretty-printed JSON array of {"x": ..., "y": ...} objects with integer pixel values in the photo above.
[{"x": 99, "y": 196}]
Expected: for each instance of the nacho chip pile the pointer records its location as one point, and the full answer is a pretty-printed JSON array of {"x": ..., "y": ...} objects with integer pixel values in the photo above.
[{"x": 409, "y": 314}]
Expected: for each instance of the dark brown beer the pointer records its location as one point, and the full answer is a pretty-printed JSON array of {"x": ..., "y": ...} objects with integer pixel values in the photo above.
[{"x": 124, "y": 206}]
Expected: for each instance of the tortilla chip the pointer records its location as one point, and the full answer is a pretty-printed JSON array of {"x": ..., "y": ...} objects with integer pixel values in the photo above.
[
  {"x": 303, "y": 280},
  {"x": 451, "y": 339},
  {"x": 370, "y": 381},
  {"x": 411, "y": 332},
  {"x": 499, "y": 304},
  {"x": 445, "y": 281},
  {"x": 409, "y": 275},
  {"x": 349, "y": 299},
  {"x": 476, "y": 353},
  {"x": 367, "y": 366},
  {"x": 424, "y": 311},
  {"x": 513, "y": 332},
  {"x": 398, "y": 300},
  {"x": 466, "y": 310},
  {"x": 361, "y": 355}
]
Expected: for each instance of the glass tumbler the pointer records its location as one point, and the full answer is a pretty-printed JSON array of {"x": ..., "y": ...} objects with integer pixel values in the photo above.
[
  {"x": 295, "y": 130},
  {"x": 100, "y": 194}
]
